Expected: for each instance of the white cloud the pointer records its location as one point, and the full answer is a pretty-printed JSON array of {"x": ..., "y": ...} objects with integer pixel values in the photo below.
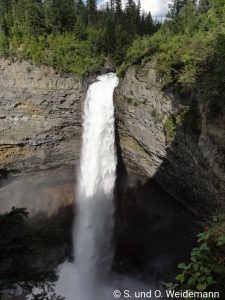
[{"x": 156, "y": 7}]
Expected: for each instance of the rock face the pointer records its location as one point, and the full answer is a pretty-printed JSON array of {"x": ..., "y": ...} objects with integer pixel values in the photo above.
[
  {"x": 40, "y": 117},
  {"x": 40, "y": 130},
  {"x": 43, "y": 194},
  {"x": 190, "y": 167},
  {"x": 40, "y": 136}
]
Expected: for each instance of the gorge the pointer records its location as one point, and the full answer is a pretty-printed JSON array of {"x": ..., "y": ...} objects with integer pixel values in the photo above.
[
  {"x": 112, "y": 149},
  {"x": 41, "y": 142},
  {"x": 39, "y": 134}
]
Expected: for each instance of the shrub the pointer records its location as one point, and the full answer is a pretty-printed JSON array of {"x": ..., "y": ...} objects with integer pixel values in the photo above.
[
  {"x": 19, "y": 250},
  {"x": 3, "y": 44},
  {"x": 206, "y": 269},
  {"x": 63, "y": 52},
  {"x": 189, "y": 54},
  {"x": 170, "y": 128}
]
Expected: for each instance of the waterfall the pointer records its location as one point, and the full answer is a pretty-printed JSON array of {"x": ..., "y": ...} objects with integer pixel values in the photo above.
[
  {"x": 94, "y": 201},
  {"x": 98, "y": 157},
  {"x": 94, "y": 204},
  {"x": 89, "y": 276}
]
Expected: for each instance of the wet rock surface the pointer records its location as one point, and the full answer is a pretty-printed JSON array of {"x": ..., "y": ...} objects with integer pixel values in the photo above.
[
  {"x": 153, "y": 233},
  {"x": 190, "y": 168}
]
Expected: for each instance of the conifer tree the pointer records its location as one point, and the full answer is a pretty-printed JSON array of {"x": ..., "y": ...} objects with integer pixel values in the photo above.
[
  {"x": 204, "y": 5},
  {"x": 28, "y": 17},
  {"x": 91, "y": 4},
  {"x": 80, "y": 29},
  {"x": 118, "y": 9},
  {"x": 60, "y": 15},
  {"x": 146, "y": 24},
  {"x": 112, "y": 5},
  {"x": 130, "y": 13},
  {"x": 176, "y": 8}
]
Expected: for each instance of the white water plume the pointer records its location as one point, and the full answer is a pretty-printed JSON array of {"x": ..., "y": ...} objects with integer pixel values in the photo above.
[
  {"x": 94, "y": 202},
  {"x": 89, "y": 276},
  {"x": 94, "y": 205}
]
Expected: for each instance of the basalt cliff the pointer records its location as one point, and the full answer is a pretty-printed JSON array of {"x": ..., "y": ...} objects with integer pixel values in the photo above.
[
  {"x": 183, "y": 152},
  {"x": 40, "y": 117},
  {"x": 40, "y": 135}
]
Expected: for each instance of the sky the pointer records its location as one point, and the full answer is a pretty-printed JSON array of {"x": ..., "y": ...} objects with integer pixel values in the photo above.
[{"x": 156, "y": 7}]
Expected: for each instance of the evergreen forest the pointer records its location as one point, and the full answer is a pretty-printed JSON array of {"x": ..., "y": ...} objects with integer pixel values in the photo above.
[{"x": 69, "y": 35}]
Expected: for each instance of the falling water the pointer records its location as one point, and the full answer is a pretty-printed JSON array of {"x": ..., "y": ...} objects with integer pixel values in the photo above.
[
  {"x": 89, "y": 277},
  {"x": 96, "y": 181},
  {"x": 94, "y": 202}
]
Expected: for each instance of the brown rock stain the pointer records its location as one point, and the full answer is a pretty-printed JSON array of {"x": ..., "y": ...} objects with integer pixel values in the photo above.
[
  {"x": 28, "y": 109},
  {"x": 60, "y": 193},
  {"x": 8, "y": 153}
]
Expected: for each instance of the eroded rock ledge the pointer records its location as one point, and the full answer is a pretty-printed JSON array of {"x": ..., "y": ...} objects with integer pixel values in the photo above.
[
  {"x": 40, "y": 117},
  {"x": 190, "y": 168}
]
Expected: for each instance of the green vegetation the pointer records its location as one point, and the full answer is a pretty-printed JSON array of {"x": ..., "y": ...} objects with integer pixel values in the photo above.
[
  {"x": 170, "y": 128},
  {"x": 181, "y": 117},
  {"x": 140, "y": 49},
  {"x": 63, "y": 52},
  {"x": 189, "y": 51},
  {"x": 188, "y": 117},
  {"x": 206, "y": 269},
  {"x": 70, "y": 35},
  {"x": 21, "y": 246}
]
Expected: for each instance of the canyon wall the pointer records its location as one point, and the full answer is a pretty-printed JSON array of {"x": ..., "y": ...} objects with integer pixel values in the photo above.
[
  {"x": 40, "y": 117},
  {"x": 40, "y": 131},
  {"x": 40, "y": 135},
  {"x": 155, "y": 143}
]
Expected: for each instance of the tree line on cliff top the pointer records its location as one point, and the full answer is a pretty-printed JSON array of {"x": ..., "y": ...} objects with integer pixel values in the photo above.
[
  {"x": 72, "y": 36},
  {"x": 189, "y": 53}
]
